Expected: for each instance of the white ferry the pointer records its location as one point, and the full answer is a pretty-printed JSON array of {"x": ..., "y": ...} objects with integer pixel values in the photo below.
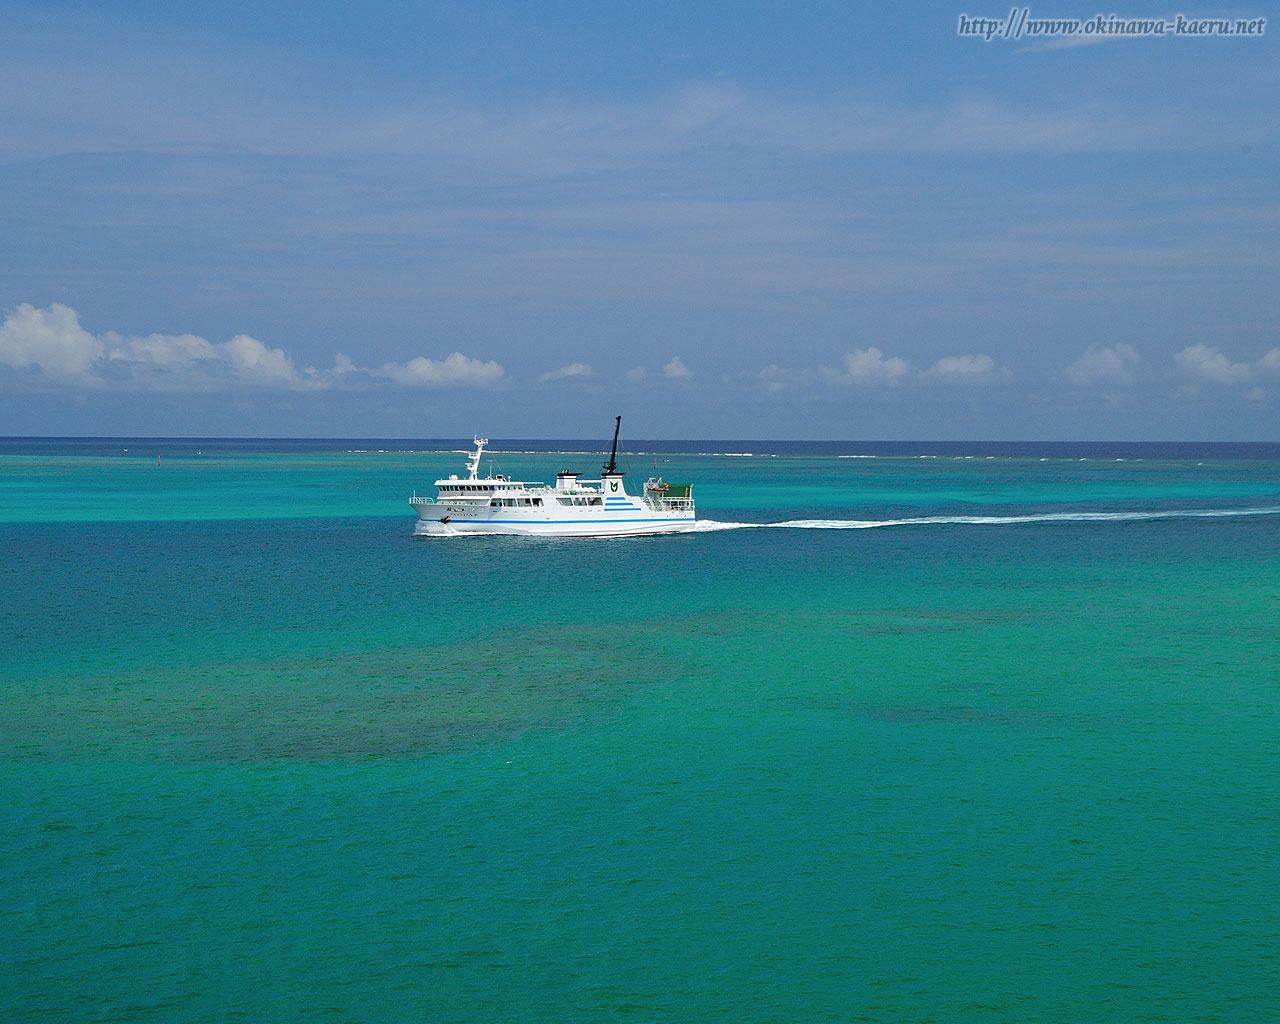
[{"x": 572, "y": 508}]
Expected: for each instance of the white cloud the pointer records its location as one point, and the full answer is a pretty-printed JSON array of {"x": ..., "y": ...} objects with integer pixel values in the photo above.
[
  {"x": 866, "y": 367},
  {"x": 165, "y": 351},
  {"x": 1100, "y": 363},
  {"x": 179, "y": 361},
  {"x": 676, "y": 370},
  {"x": 775, "y": 378},
  {"x": 1270, "y": 363},
  {"x": 252, "y": 361},
  {"x": 967, "y": 369},
  {"x": 52, "y": 343},
  {"x": 453, "y": 369},
  {"x": 1206, "y": 362},
  {"x": 1255, "y": 395},
  {"x": 50, "y": 339},
  {"x": 870, "y": 367},
  {"x": 572, "y": 370}
]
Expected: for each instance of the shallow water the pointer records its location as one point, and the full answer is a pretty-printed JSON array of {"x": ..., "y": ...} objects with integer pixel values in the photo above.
[{"x": 266, "y": 756}]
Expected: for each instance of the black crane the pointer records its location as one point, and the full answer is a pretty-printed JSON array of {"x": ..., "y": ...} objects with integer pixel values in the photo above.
[{"x": 612, "y": 465}]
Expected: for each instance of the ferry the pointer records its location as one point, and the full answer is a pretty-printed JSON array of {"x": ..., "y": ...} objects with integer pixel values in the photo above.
[{"x": 573, "y": 507}]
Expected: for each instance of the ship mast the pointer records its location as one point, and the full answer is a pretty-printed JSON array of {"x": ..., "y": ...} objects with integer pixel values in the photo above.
[
  {"x": 473, "y": 460},
  {"x": 612, "y": 465}
]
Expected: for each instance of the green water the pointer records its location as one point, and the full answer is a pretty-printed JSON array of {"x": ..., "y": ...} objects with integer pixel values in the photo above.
[{"x": 285, "y": 762}]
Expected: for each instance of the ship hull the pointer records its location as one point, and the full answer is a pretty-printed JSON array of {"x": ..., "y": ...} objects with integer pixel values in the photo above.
[{"x": 442, "y": 521}]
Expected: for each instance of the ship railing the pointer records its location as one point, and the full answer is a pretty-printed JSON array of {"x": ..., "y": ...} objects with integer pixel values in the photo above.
[
  {"x": 419, "y": 499},
  {"x": 669, "y": 504}
]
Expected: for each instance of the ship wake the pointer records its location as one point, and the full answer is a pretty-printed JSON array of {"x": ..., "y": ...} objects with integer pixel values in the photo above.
[{"x": 712, "y": 526}]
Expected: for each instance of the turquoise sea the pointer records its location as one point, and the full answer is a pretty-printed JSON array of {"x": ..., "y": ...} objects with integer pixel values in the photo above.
[{"x": 986, "y": 733}]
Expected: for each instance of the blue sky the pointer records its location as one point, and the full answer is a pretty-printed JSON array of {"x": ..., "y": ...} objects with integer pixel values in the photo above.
[{"x": 428, "y": 219}]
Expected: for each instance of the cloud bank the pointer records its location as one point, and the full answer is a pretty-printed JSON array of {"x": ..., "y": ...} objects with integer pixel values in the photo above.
[
  {"x": 565, "y": 372},
  {"x": 50, "y": 346},
  {"x": 870, "y": 367},
  {"x": 978, "y": 369},
  {"x": 866, "y": 367},
  {"x": 48, "y": 340},
  {"x": 1099, "y": 364},
  {"x": 676, "y": 370},
  {"x": 1208, "y": 363},
  {"x": 453, "y": 369}
]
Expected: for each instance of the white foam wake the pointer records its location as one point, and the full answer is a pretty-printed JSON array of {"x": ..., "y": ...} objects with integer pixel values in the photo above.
[{"x": 711, "y": 526}]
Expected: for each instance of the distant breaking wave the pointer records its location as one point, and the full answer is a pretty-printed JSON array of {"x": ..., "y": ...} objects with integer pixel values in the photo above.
[{"x": 709, "y": 526}]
